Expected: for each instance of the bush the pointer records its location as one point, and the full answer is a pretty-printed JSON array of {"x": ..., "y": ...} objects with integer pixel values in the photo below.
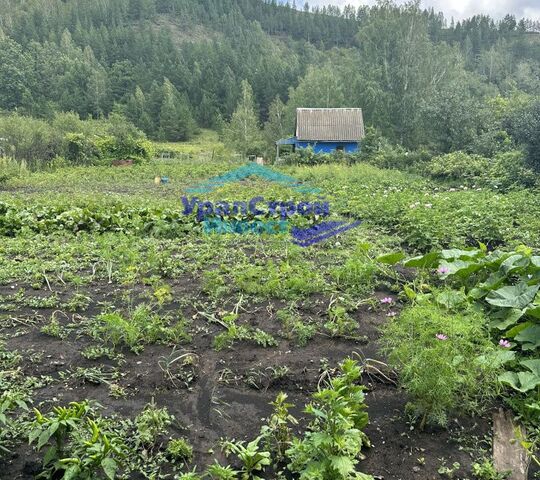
[
  {"x": 39, "y": 142},
  {"x": 128, "y": 148},
  {"x": 379, "y": 151},
  {"x": 446, "y": 361},
  {"x": 397, "y": 157},
  {"x": 458, "y": 166},
  {"x": 505, "y": 171},
  {"x": 123, "y": 141},
  {"x": 509, "y": 170},
  {"x": 80, "y": 149},
  {"x": 29, "y": 139},
  {"x": 11, "y": 168},
  {"x": 307, "y": 156},
  {"x": 524, "y": 126}
]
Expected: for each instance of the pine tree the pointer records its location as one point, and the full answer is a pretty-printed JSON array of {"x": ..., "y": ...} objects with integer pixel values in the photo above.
[
  {"x": 137, "y": 112},
  {"x": 175, "y": 119}
]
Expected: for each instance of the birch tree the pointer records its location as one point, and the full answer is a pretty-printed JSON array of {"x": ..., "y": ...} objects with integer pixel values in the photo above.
[{"x": 242, "y": 132}]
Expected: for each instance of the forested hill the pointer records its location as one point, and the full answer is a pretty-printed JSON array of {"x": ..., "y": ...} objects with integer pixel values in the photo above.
[
  {"x": 91, "y": 55},
  {"x": 170, "y": 65}
]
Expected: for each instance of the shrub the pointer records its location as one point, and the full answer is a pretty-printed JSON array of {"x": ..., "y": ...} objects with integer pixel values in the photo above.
[
  {"x": 127, "y": 148},
  {"x": 458, "y": 166},
  {"x": 379, "y": 151},
  {"x": 39, "y": 142},
  {"x": 80, "y": 150},
  {"x": 397, "y": 157},
  {"x": 29, "y": 139},
  {"x": 509, "y": 169},
  {"x": 524, "y": 126},
  {"x": 446, "y": 361},
  {"x": 307, "y": 156},
  {"x": 11, "y": 168}
]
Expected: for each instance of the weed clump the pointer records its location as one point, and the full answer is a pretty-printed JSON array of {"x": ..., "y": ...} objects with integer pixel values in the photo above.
[{"x": 446, "y": 361}]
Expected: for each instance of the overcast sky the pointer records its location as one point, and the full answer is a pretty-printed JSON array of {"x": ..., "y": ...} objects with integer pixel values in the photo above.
[{"x": 462, "y": 8}]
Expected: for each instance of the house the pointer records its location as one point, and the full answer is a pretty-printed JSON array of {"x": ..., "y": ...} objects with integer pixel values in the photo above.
[{"x": 326, "y": 130}]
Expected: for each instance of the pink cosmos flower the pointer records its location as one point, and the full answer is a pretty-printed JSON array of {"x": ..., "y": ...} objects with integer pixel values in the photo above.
[
  {"x": 441, "y": 336},
  {"x": 443, "y": 270},
  {"x": 387, "y": 300},
  {"x": 505, "y": 343}
]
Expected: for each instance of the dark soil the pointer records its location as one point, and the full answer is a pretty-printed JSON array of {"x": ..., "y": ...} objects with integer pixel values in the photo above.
[{"x": 232, "y": 389}]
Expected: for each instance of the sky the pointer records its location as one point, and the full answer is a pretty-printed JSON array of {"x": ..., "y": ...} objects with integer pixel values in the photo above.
[{"x": 460, "y": 9}]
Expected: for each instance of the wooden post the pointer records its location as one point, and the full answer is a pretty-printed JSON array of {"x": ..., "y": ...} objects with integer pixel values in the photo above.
[{"x": 508, "y": 454}]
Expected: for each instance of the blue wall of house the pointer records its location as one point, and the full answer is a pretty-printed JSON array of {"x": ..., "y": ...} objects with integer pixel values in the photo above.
[{"x": 329, "y": 147}]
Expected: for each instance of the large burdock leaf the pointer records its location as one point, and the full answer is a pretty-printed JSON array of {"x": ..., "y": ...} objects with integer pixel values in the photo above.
[
  {"x": 502, "y": 319},
  {"x": 425, "y": 261},
  {"x": 515, "y": 296},
  {"x": 529, "y": 338},
  {"x": 391, "y": 258},
  {"x": 514, "y": 262},
  {"x": 532, "y": 365},
  {"x": 521, "y": 381},
  {"x": 461, "y": 268}
]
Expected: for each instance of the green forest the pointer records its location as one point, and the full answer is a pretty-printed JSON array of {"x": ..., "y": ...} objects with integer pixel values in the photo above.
[{"x": 170, "y": 67}]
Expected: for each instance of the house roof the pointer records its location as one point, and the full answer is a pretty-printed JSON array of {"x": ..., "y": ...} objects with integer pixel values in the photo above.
[{"x": 329, "y": 124}]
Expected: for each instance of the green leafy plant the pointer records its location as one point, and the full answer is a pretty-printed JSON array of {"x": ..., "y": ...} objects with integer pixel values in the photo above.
[
  {"x": 358, "y": 275},
  {"x": 151, "y": 423},
  {"x": 446, "y": 361},
  {"x": 340, "y": 324},
  {"x": 144, "y": 326},
  {"x": 486, "y": 471},
  {"x": 94, "y": 451},
  {"x": 504, "y": 285},
  {"x": 57, "y": 426},
  {"x": 179, "y": 449},
  {"x": 331, "y": 447},
  {"x": 253, "y": 459},
  {"x": 79, "y": 448},
  {"x": 218, "y": 472},
  {"x": 10, "y": 425},
  {"x": 295, "y": 327},
  {"x": 235, "y": 332},
  {"x": 287, "y": 280},
  {"x": 449, "y": 471},
  {"x": 277, "y": 432},
  {"x": 189, "y": 476}
]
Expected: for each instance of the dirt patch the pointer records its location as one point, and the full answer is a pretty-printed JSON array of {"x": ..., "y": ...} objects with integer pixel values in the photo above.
[{"x": 229, "y": 393}]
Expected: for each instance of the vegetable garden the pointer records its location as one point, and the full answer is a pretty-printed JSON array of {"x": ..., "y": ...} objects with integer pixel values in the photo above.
[{"x": 135, "y": 345}]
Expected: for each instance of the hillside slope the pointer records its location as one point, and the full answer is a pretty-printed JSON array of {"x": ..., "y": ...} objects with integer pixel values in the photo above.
[{"x": 169, "y": 62}]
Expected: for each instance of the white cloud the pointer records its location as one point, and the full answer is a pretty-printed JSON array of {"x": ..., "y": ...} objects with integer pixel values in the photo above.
[{"x": 460, "y": 9}]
